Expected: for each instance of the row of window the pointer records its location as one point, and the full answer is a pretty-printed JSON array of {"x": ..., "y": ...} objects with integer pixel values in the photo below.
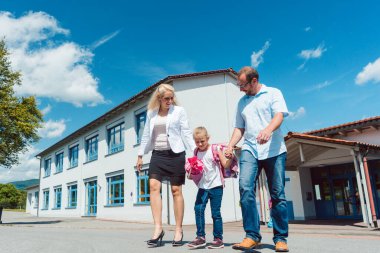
[
  {"x": 115, "y": 192},
  {"x": 115, "y": 142},
  {"x": 72, "y": 196}
]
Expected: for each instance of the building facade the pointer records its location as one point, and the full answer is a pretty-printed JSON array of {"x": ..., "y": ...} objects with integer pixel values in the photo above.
[
  {"x": 92, "y": 171},
  {"x": 335, "y": 172}
]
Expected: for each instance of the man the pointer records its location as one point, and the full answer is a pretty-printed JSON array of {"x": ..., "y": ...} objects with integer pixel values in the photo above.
[{"x": 258, "y": 118}]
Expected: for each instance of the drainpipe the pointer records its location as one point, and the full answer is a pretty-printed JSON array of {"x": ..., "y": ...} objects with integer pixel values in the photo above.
[
  {"x": 369, "y": 188},
  {"x": 360, "y": 188},
  {"x": 167, "y": 202},
  {"x": 365, "y": 186},
  {"x": 39, "y": 186},
  {"x": 260, "y": 200}
]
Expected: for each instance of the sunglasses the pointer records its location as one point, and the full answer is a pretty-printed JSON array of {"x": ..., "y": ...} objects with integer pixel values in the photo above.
[
  {"x": 243, "y": 85},
  {"x": 167, "y": 99}
]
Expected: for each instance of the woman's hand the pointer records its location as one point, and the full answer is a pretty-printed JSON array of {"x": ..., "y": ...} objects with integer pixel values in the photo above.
[{"x": 139, "y": 163}]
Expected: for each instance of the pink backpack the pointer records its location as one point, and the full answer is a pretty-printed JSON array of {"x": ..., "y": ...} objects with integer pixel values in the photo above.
[
  {"x": 233, "y": 170},
  {"x": 194, "y": 166}
]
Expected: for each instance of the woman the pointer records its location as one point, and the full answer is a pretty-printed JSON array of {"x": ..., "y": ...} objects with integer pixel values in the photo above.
[{"x": 165, "y": 128}]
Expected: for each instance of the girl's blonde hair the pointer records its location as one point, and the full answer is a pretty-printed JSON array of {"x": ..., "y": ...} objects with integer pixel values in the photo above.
[
  {"x": 154, "y": 101},
  {"x": 200, "y": 130}
]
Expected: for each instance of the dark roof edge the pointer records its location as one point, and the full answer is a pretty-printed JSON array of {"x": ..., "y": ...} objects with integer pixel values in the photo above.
[
  {"x": 331, "y": 140},
  {"x": 345, "y": 126},
  {"x": 131, "y": 100}
]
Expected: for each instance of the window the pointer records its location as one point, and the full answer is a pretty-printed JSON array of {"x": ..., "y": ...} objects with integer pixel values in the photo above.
[
  {"x": 57, "y": 197},
  {"x": 47, "y": 167},
  {"x": 115, "y": 138},
  {"x": 35, "y": 199},
  {"x": 72, "y": 196},
  {"x": 73, "y": 156},
  {"x": 143, "y": 196},
  {"x": 140, "y": 123},
  {"x": 115, "y": 194},
  {"x": 46, "y": 200},
  {"x": 59, "y": 162},
  {"x": 92, "y": 148}
]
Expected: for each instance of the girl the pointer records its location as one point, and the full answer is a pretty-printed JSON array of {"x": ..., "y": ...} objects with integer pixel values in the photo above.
[{"x": 210, "y": 188}]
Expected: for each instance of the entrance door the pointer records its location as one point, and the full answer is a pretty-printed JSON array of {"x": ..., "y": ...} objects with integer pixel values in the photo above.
[
  {"x": 346, "y": 198},
  {"x": 91, "y": 194}
]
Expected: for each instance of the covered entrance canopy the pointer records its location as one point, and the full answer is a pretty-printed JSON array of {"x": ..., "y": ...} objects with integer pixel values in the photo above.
[{"x": 309, "y": 151}]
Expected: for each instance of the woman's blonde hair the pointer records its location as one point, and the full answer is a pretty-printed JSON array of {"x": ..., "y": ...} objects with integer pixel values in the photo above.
[
  {"x": 154, "y": 102},
  {"x": 199, "y": 131}
]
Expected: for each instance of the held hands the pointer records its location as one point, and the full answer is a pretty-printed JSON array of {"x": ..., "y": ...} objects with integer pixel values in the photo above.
[
  {"x": 264, "y": 136},
  {"x": 139, "y": 163},
  {"x": 228, "y": 153}
]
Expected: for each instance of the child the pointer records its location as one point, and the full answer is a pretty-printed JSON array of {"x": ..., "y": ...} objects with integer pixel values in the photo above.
[{"x": 210, "y": 187}]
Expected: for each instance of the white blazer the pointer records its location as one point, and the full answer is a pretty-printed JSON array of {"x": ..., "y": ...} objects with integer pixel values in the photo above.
[{"x": 177, "y": 129}]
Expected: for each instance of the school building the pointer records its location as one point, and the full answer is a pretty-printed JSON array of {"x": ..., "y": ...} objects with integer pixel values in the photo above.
[{"x": 332, "y": 173}]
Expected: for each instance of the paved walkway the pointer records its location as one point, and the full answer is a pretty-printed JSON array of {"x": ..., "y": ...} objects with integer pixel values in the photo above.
[{"x": 21, "y": 232}]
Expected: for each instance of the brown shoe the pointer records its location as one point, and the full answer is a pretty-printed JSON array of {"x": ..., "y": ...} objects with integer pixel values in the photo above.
[
  {"x": 246, "y": 244},
  {"x": 281, "y": 246}
]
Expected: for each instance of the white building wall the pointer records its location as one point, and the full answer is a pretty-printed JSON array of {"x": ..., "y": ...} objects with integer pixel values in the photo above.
[
  {"x": 209, "y": 101},
  {"x": 31, "y": 201},
  {"x": 293, "y": 193},
  {"x": 370, "y": 136},
  {"x": 307, "y": 189}
]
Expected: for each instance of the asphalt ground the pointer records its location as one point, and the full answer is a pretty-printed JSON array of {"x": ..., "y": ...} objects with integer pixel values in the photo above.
[{"x": 21, "y": 232}]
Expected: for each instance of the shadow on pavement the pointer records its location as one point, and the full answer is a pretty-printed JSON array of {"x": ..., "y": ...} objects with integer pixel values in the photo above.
[
  {"x": 354, "y": 223},
  {"x": 32, "y": 222}
]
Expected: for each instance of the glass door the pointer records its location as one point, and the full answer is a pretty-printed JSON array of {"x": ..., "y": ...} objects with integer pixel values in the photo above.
[
  {"x": 346, "y": 196},
  {"x": 91, "y": 194}
]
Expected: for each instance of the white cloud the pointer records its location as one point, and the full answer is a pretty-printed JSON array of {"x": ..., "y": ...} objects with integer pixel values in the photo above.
[
  {"x": 50, "y": 68},
  {"x": 298, "y": 114},
  {"x": 52, "y": 129},
  {"x": 319, "y": 86},
  {"x": 371, "y": 72},
  {"x": 104, "y": 39},
  {"x": 257, "y": 57},
  {"x": 27, "y": 169},
  {"x": 311, "y": 54},
  {"x": 308, "y": 29},
  {"x": 46, "y": 110}
]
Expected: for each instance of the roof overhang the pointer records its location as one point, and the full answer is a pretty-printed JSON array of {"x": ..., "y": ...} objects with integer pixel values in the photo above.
[{"x": 313, "y": 151}]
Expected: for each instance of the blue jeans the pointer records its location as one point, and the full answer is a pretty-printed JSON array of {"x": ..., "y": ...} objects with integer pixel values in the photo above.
[
  {"x": 250, "y": 169},
  {"x": 215, "y": 195}
]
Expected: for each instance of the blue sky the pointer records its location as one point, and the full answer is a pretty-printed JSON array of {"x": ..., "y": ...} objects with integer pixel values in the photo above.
[{"x": 82, "y": 58}]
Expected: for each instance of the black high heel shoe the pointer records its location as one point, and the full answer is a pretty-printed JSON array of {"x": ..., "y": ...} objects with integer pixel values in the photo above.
[
  {"x": 156, "y": 242},
  {"x": 178, "y": 243}
]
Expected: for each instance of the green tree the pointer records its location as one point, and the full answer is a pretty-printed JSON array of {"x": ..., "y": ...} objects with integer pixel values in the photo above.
[
  {"x": 19, "y": 116},
  {"x": 10, "y": 197}
]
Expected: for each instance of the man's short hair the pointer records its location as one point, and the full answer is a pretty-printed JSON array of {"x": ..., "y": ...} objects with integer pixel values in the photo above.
[{"x": 249, "y": 73}]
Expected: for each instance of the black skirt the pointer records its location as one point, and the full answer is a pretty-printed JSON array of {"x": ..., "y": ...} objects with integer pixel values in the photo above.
[{"x": 165, "y": 165}]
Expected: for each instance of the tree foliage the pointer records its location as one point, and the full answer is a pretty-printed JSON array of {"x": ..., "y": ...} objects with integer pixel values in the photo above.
[
  {"x": 19, "y": 116},
  {"x": 10, "y": 197}
]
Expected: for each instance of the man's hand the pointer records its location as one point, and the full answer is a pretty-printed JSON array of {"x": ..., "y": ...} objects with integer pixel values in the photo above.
[
  {"x": 228, "y": 153},
  {"x": 264, "y": 136}
]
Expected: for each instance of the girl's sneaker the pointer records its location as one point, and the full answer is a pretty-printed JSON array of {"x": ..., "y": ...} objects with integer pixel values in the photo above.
[
  {"x": 216, "y": 244},
  {"x": 199, "y": 242}
]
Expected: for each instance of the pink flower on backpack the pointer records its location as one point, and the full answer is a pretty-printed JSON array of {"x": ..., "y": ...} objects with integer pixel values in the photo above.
[{"x": 195, "y": 165}]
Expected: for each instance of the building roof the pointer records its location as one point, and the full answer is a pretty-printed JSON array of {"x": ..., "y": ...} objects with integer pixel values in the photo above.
[
  {"x": 31, "y": 187},
  {"x": 343, "y": 129},
  {"x": 121, "y": 107},
  {"x": 361, "y": 145}
]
